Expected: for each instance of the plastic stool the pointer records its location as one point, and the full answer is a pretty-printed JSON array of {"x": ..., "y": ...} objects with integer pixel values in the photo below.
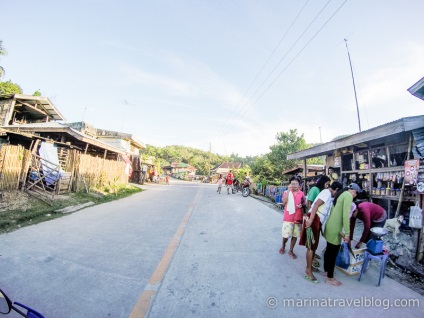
[{"x": 381, "y": 258}]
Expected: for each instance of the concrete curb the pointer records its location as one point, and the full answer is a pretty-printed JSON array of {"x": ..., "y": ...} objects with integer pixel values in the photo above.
[{"x": 74, "y": 208}]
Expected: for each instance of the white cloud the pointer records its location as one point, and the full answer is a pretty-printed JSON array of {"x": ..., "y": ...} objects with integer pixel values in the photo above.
[{"x": 185, "y": 79}]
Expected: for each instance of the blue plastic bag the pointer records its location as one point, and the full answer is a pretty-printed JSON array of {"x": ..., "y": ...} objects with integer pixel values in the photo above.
[{"x": 343, "y": 258}]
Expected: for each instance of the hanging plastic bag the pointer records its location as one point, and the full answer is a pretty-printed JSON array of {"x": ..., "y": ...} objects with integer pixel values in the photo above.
[
  {"x": 343, "y": 258},
  {"x": 415, "y": 217}
]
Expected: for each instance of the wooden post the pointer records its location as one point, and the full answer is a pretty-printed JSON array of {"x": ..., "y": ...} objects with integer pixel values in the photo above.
[
  {"x": 104, "y": 156},
  {"x": 8, "y": 116},
  {"x": 403, "y": 182},
  {"x": 86, "y": 148},
  {"x": 420, "y": 247},
  {"x": 35, "y": 146}
]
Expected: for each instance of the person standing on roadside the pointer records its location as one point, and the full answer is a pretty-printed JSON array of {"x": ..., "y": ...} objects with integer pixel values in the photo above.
[
  {"x": 322, "y": 183},
  {"x": 315, "y": 220},
  {"x": 220, "y": 179},
  {"x": 143, "y": 173},
  {"x": 294, "y": 201},
  {"x": 339, "y": 219},
  {"x": 230, "y": 178}
]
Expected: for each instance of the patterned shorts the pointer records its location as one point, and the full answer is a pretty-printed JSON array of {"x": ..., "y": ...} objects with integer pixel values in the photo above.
[{"x": 290, "y": 229}]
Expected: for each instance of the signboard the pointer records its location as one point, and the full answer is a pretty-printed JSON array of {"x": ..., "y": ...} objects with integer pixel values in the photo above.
[
  {"x": 337, "y": 162},
  {"x": 411, "y": 171},
  {"x": 420, "y": 179}
]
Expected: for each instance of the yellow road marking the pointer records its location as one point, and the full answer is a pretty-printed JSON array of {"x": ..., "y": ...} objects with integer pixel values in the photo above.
[{"x": 143, "y": 304}]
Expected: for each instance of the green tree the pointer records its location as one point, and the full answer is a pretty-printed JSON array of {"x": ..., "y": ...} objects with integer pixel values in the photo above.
[
  {"x": 10, "y": 88},
  {"x": 37, "y": 93},
  {"x": 316, "y": 161},
  {"x": 262, "y": 169},
  {"x": 240, "y": 173},
  {"x": 287, "y": 143}
]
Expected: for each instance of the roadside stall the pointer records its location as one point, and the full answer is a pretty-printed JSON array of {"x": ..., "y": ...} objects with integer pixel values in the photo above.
[{"x": 387, "y": 163}]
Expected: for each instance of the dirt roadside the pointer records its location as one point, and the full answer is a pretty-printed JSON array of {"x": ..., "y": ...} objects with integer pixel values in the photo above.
[{"x": 18, "y": 208}]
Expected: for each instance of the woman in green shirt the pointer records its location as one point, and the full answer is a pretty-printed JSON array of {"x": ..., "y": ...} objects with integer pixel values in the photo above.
[{"x": 338, "y": 220}]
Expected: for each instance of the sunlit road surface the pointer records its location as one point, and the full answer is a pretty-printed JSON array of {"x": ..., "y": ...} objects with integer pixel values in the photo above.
[{"x": 181, "y": 250}]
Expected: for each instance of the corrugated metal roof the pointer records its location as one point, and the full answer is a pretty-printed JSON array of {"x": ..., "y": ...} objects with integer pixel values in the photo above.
[
  {"x": 60, "y": 127},
  {"x": 42, "y": 103},
  {"x": 418, "y": 89},
  {"x": 418, "y": 150},
  {"x": 389, "y": 130}
]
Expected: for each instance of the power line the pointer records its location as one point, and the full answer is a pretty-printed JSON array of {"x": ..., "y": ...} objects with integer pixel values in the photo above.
[
  {"x": 282, "y": 59},
  {"x": 264, "y": 65},
  {"x": 291, "y": 61}
]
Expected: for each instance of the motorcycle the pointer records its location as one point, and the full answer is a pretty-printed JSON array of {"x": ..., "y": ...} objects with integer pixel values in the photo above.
[
  {"x": 236, "y": 186},
  {"x": 6, "y": 306},
  {"x": 246, "y": 188}
]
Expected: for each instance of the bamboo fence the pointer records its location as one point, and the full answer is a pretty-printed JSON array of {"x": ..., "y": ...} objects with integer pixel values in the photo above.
[
  {"x": 87, "y": 172},
  {"x": 13, "y": 160},
  {"x": 94, "y": 172}
]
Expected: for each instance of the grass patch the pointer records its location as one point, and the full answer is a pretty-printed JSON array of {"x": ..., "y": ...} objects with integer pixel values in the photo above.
[{"x": 35, "y": 211}]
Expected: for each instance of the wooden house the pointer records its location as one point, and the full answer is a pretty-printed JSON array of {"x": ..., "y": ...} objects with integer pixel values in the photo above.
[
  {"x": 30, "y": 121},
  {"x": 180, "y": 169},
  {"x": 24, "y": 109}
]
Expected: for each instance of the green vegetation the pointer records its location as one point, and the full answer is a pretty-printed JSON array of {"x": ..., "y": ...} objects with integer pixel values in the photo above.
[
  {"x": 194, "y": 157},
  {"x": 267, "y": 168},
  {"x": 36, "y": 211},
  {"x": 10, "y": 88}
]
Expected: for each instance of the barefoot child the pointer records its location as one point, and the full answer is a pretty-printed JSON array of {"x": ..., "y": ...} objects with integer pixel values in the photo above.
[{"x": 219, "y": 184}]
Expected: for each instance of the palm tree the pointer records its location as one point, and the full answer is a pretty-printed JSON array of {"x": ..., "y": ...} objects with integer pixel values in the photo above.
[{"x": 2, "y": 52}]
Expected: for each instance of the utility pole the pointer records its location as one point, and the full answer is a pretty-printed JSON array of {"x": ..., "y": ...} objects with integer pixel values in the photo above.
[
  {"x": 83, "y": 116},
  {"x": 354, "y": 88},
  {"x": 123, "y": 114},
  {"x": 320, "y": 138},
  {"x": 209, "y": 166}
]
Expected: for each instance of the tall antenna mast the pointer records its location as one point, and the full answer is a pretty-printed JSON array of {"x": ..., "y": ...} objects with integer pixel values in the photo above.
[
  {"x": 123, "y": 114},
  {"x": 209, "y": 165},
  {"x": 354, "y": 88}
]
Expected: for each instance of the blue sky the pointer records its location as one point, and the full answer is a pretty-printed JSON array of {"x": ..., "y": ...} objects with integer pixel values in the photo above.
[{"x": 182, "y": 72}]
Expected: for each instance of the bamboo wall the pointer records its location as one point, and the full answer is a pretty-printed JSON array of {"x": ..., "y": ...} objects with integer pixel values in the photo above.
[
  {"x": 95, "y": 172},
  {"x": 87, "y": 172},
  {"x": 13, "y": 160}
]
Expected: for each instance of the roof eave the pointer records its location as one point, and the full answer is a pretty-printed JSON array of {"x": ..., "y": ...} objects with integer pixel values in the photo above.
[
  {"x": 74, "y": 133},
  {"x": 418, "y": 89},
  {"x": 56, "y": 113},
  {"x": 383, "y": 131}
]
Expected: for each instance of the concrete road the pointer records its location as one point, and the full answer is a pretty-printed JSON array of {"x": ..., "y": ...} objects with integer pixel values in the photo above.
[{"x": 180, "y": 251}]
